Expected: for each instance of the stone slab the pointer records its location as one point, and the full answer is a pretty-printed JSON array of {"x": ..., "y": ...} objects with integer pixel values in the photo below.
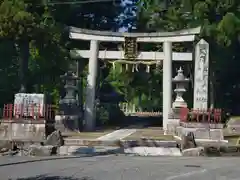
[
  {"x": 201, "y": 133},
  {"x": 172, "y": 126},
  {"x": 222, "y": 151},
  {"x": 198, "y": 151},
  {"x": 74, "y": 150},
  {"x": 14, "y": 130},
  {"x": 120, "y": 143},
  {"x": 201, "y": 125},
  {"x": 153, "y": 151},
  {"x": 206, "y": 142},
  {"x": 78, "y": 150},
  {"x": 38, "y": 150}
]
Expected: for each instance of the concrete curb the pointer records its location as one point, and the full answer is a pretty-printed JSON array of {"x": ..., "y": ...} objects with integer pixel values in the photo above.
[
  {"x": 153, "y": 151},
  {"x": 77, "y": 150},
  {"x": 120, "y": 143},
  {"x": 52, "y": 158},
  {"x": 222, "y": 151}
]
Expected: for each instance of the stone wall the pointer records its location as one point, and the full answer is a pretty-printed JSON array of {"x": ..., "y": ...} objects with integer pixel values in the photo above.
[
  {"x": 201, "y": 130},
  {"x": 23, "y": 130}
]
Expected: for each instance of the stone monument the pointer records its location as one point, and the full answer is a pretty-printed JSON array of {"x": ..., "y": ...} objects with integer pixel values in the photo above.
[
  {"x": 201, "y": 76},
  {"x": 68, "y": 119}
]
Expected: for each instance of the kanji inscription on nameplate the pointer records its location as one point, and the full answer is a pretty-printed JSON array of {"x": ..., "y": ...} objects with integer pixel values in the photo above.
[
  {"x": 130, "y": 48},
  {"x": 29, "y": 104}
]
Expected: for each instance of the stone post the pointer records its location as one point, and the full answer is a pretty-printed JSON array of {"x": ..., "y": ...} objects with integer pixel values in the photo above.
[
  {"x": 90, "y": 112},
  {"x": 167, "y": 82}
]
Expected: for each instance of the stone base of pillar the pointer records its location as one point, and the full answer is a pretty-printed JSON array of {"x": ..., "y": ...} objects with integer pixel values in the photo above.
[
  {"x": 173, "y": 121},
  {"x": 67, "y": 123},
  {"x": 172, "y": 126}
]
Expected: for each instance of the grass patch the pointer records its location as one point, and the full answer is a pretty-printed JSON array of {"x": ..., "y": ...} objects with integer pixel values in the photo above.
[
  {"x": 232, "y": 139},
  {"x": 235, "y": 118},
  {"x": 87, "y": 135}
]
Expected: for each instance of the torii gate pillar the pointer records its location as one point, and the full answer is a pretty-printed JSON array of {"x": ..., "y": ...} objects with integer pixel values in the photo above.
[
  {"x": 167, "y": 82},
  {"x": 90, "y": 112}
]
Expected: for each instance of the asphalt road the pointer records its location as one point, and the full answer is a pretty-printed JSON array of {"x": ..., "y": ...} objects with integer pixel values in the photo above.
[{"x": 124, "y": 168}]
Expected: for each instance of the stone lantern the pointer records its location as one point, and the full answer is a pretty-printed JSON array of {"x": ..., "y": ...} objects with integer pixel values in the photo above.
[
  {"x": 70, "y": 114},
  {"x": 180, "y": 82},
  {"x": 70, "y": 88},
  {"x": 174, "y": 115}
]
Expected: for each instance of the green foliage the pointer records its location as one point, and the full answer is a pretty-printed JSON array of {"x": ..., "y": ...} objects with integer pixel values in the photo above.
[
  {"x": 220, "y": 22},
  {"x": 32, "y": 23}
]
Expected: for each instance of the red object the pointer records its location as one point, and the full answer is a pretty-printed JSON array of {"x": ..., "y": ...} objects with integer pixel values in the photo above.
[
  {"x": 32, "y": 112},
  {"x": 217, "y": 115},
  {"x": 205, "y": 115},
  {"x": 184, "y": 114}
]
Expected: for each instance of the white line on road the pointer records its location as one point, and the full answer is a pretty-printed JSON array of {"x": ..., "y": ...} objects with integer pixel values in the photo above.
[{"x": 186, "y": 174}]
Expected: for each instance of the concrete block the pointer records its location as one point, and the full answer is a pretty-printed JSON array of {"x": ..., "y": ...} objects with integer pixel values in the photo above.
[
  {"x": 38, "y": 150},
  {"x": 172, "y": 126},
  {"x": 216, "y": 134},
  {"x": 198, "y": 151},
  {"x": 23, "y": 130},
  {"x": 75, "y": 150},
  {"x": 206, "y": 142},
  {"x": 153, "y": 151},
  {"x": 201, "y": 125},
  {"x": 201, "y": 133}
]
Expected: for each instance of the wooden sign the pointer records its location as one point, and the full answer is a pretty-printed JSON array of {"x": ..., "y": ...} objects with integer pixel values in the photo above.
[{"x": 130, "y": 48}]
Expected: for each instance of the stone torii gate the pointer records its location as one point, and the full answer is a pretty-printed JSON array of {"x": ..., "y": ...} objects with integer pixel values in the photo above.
[{"x": 167, "y": 56}]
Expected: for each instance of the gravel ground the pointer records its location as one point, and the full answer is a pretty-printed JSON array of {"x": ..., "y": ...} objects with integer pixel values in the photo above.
[{"x": 123, "y": 168}]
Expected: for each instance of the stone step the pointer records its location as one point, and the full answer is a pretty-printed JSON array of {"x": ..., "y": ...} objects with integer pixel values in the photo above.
[
  {"x": 120, "y": 143},
  {"x": 201, "y": 133}
]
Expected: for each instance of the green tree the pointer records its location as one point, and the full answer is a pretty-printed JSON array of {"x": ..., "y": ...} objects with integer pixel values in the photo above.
[{"x": 220, "y": 21}]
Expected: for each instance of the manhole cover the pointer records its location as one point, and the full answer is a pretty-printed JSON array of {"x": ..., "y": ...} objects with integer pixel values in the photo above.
[{"x": 192, "y": 165}]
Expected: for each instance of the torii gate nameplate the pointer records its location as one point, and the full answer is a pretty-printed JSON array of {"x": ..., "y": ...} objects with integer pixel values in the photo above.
[{"x": 130, "y": 48}]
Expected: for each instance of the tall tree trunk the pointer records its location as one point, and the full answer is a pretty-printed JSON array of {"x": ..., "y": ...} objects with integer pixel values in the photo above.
[{"x": 22, "y": 49}]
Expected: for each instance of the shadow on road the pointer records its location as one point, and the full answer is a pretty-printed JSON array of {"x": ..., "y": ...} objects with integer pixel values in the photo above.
[{"x": 46, "y": 177}]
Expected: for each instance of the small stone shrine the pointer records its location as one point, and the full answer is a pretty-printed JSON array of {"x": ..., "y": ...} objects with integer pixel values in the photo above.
[
  {"x": 69, "y": 111},
  {"x": 25, "y": 119}
]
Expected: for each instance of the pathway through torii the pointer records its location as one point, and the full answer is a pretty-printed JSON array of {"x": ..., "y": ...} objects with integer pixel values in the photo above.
[{"x": 167, "y": 38}]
